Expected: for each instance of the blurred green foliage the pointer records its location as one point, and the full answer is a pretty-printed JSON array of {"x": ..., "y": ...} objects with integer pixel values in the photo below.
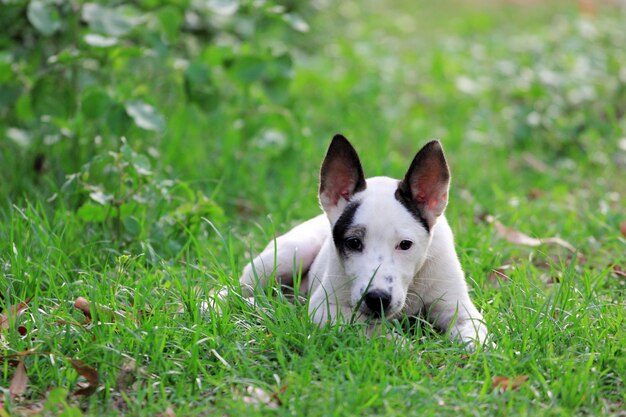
[
  {"x": 148, "y": 148},
  {"x": 89, "y": 91},
  {"x": 76, "y": 76}
]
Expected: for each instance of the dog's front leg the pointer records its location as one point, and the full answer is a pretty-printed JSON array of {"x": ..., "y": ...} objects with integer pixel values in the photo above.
[
  {"x": 459, "y": 316},
  {"x": 284, "y": 256}
]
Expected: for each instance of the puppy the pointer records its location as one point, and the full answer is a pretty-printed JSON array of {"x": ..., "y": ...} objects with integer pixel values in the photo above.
[{"x": 382, "y": 248}]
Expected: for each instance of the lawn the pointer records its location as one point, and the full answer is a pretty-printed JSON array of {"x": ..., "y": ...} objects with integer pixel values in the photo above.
[{"x": 148, "y": 150}]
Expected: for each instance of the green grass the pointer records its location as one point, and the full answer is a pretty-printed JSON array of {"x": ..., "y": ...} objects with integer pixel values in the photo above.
[{"x": 529, "y": 104}]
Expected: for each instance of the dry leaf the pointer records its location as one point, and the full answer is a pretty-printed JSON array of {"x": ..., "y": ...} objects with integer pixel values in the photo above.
[
  {"x": 517, "y": 237},
  {"x": 28, "y": 352},
  {"x": 83, "y": 305},
  {"x": 258, "y": 396},
  {"x": 15, "y": 310},
  {"x": 622, "y": 228},
  {"x": 118, "y": 402},
  {"x": 19, "y": 382},
  {"x": 587, "y": 8},
  {"x": 169, "y": 412},
  {"x": 33, "y": 409},
  {"x": 554, "y": 279},
  {"x": 87, "y": 372},
  {"x": 506, "y": 383},
  {"x": 499, "y": 274},
  {"x": 535, "y": 163},
  {"x": 534, "y": 193},
  {"x": 126, "y": 377},
  {"x": 619, "y": 271}
]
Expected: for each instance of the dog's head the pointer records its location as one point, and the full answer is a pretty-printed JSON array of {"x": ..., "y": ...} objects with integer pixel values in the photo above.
[{"x": 381, "y": 227}]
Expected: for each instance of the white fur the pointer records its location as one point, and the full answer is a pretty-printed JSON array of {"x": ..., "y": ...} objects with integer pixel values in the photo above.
[{"x": 427, "y": 278}]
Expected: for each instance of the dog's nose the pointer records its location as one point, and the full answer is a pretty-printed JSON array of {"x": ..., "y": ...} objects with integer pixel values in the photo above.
[{"x": 377, "y": 301}]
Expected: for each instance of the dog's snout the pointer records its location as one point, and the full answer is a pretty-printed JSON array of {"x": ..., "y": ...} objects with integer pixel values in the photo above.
[{"x": 377, "y": 301}]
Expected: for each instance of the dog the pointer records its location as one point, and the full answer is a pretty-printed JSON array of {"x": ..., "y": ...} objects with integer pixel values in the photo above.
[{"x": 383, "y": 249}]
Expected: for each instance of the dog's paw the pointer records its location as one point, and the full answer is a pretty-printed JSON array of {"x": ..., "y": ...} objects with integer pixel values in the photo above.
[
  {"x": 214, "y": 302},
  {"x": 473, "y": 334}
]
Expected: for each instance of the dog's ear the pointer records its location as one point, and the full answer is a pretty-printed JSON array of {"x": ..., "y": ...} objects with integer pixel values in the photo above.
[
  {"x": 424, "y": 189},
  {"x": 341, "y": 176}
]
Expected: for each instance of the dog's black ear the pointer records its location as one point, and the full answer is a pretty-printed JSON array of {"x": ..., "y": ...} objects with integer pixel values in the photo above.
[
  {"x": 424, "y": 189},
  {"x": 341, "y": 175}
]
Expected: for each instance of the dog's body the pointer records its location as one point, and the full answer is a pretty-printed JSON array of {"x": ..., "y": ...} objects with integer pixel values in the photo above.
[{"x": 383, "y": 248}]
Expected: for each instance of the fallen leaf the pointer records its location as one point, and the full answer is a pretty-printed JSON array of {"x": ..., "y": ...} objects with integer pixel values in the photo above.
[
  {"x": 517, "y": 237},
  {"x": 19, "y": 382},
  {"x": 554, "y": 279},
  {"x": 622, "y": 228},
  {"x": 587, "y": 8},
  {"x": 126, "y": 376},
  {"x": 169, "y": 412},
  {"x": 15, "y": 310},
  {"x": 497, "y": 275},
  {"x": 28, "y": 352},
  {"x": 83, "y": 305},
  {"x": 87, "y": 372},
  {"x": 619, "y": 271},
  {"x": 258, "y": 396},
  {"x": 535, "y": 163},
  {"x": 506, "y": 383},
  {"x": 534, "y": 193},
  {"x": 118, "y": 403},
  {"x": 33, "y": 409}
]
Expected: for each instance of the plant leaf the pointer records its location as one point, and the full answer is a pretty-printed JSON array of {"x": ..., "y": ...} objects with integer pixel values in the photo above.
[
  {"x": 99, "y": 41},
  {"x": 100, "y": 197},
  {"x": 43, "y": 16},
  {"x": 249, "y": 69},
  {"x": 19, "y": 136},
  {"x": 91, "y": 212},
  {"x": 145, "y": 116},
  {"x": 141, "y": 163},
  {"x": 111, "y": 21},
  {"x": 223, "y": 7},
  {"x": 296, "y": 22}
]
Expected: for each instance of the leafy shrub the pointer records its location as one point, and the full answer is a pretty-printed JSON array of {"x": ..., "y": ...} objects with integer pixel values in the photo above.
[{"x": 75, "y": 77}]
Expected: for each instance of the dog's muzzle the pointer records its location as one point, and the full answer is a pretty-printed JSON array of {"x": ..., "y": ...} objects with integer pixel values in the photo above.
[{"x": 377, "y": 301}]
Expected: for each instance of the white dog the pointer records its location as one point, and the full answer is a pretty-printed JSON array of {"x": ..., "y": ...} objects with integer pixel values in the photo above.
[{"x": 382, "y": 249}]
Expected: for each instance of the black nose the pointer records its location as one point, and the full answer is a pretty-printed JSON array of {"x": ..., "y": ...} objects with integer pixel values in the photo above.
[{"x": 377, "y": 301}]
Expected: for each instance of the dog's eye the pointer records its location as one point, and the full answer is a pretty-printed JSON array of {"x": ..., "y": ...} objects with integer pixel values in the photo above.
[
  {"x": 354, "y": 244},
  {"x": 405, "y": 245}
]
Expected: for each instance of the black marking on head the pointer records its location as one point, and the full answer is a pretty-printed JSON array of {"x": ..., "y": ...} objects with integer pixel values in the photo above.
[
  {"x": 389, "y": 279},
  {"x": 340, "y": 230},
  {"x": 390, "y": 289},
  {"x": 380, "y": 258},
  {"x": 406, "y": 199}
]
